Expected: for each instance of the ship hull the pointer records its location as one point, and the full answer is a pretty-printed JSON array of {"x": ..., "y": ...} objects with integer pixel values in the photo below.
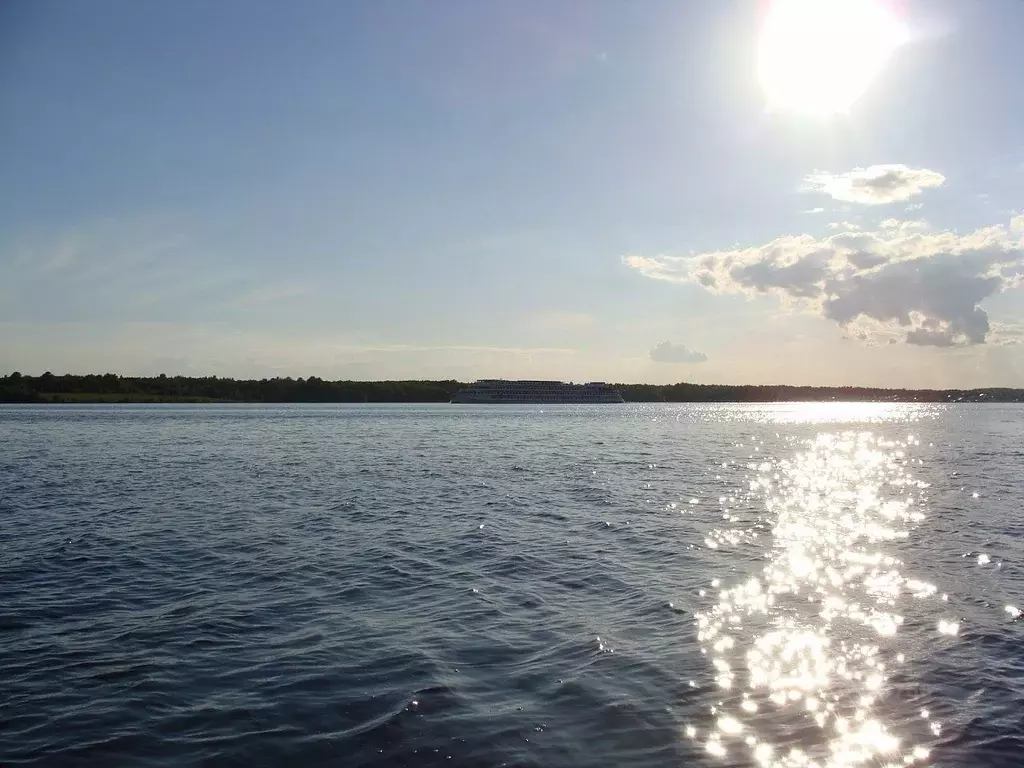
[{"x": 505, "y": 392}]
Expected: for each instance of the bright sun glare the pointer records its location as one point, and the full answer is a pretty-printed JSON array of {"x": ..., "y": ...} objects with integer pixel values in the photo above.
[{"x": 819, "y": 56}]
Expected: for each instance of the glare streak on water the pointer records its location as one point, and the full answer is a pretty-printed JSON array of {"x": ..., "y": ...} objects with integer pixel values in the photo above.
[
  {"x": 810, "y": 640},
  {"x": 645, "y": 585}
]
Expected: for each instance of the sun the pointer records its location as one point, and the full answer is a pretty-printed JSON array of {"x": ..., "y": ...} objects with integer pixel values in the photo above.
[{"x": 819, "y": 56}]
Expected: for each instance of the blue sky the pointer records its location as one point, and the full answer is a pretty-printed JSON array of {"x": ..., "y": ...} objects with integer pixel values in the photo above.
[{"x": 518, "y": 188}]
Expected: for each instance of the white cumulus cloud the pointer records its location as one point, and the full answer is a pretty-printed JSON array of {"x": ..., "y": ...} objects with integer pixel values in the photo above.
[
  {"x": 903, "y": 225},
  {"x": 876, "y": 184},
  {"x": 667, "y": 352},
  {"x": 927, "y": 287}
]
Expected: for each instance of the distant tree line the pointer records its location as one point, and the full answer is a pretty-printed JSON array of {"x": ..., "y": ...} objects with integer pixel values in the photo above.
[
  {"x": 757, "y": 393},
  {"x": 109, "y": 387}
]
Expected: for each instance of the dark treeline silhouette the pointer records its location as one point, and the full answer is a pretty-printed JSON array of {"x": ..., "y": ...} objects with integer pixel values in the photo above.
[
  {"x": 110, "y": 387},
  {"x": 759, "y": 393}
]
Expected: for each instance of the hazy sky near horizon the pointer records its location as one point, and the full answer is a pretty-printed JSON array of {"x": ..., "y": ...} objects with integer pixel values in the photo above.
[{"x": 577, "y": 189}]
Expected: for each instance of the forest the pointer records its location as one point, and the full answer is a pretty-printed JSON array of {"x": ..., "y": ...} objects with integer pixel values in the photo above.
[{"x": 112, "y": 388}]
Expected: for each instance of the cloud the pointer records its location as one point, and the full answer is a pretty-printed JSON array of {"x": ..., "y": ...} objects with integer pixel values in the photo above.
[
  {"x": 903, "y": 226},
  {"x": 260, "y": 296},
  {"x": 210, "y": 348},
  {"x": 411, "y": 348},
  {"x": 925, "y": 337},
  {"x": 1007, "y": 334},
  {"x": 64, "y": 256},
  {"x": 875, "y": 185},
  {"x": 814, "y": 210},
  {"x": 667, "y": 352},
  {"x": 556, "y": 320},
  {"x": 926, "y": 287}
]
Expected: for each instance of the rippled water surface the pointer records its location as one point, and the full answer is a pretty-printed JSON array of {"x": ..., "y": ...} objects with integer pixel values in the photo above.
[{"x": 639, "y": 585}]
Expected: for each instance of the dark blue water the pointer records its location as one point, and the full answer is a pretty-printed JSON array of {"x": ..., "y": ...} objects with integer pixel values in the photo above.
[{"x": 538, "y": 586}]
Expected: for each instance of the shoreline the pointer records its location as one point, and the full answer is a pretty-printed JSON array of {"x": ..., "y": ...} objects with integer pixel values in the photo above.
[
  {"x": 111, "y": 399},
  {"x": 111, "y": 388}
]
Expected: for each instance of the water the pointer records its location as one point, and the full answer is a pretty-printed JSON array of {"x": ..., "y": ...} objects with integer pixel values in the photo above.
[{"x": 640, "y": 585}]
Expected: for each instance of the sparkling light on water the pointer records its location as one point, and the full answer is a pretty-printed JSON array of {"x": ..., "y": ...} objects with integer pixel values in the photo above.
[{"x": 802, "y": 651}]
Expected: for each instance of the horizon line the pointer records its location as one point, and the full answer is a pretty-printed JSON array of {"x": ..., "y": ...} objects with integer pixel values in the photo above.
[{"x": 18, "y": 374}]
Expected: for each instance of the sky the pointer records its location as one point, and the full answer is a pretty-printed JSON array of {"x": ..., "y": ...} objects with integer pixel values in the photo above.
[{"x": 726, "y": 192}]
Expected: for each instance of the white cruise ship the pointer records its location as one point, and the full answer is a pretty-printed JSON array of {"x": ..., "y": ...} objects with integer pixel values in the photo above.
[{"x": 505, "y": 391}]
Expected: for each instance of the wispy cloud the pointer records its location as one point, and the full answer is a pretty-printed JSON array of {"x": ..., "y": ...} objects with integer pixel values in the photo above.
[
  {"x": 903, "y": 226},
  {"x": 928, "y": 286},
  {"x": 268, "y": 294},
  {"x": 166, "y": 347},
  {"x": 63, "y": 256},
  {"x": 1007, "y": 334},
  {"x": 100, "y": 247},
  {"x": 667, "y": 352},
  {"x": 875, "y": 185},
  {"x": 404, "y": 348},
  {"x": 138, "y": 269},
  {"x": 559, "y": 320}
]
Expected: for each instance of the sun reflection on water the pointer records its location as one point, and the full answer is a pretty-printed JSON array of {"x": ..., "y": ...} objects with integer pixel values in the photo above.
[{"x": 802, "y": 651}]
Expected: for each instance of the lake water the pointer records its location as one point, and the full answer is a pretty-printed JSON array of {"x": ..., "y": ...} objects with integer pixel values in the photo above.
[{"x": 638, "y": 585}]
